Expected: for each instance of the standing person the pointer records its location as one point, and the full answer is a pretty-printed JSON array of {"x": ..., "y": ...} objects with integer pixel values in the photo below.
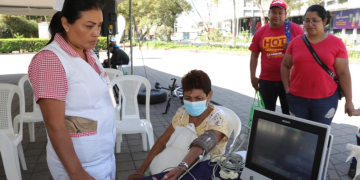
[
  {"x": 71, "y": 87},
  {"x": 271, "y": 42},
  {"x": 353, "y": 164},
  {"x": 311, "y": 92}
]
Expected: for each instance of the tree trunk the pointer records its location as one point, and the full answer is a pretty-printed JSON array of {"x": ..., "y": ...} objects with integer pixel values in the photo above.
[
  {"x": 204, "y": 23},
  {"x": 261, "y": 10},
  {"x": 235, "y": 23}
]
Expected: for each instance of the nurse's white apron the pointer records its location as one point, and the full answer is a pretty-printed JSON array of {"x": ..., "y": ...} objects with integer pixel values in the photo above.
[{"x": 87, "y": 97}]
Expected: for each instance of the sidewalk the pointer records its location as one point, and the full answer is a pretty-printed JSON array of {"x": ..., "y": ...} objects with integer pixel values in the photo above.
[{"x": 231, "y": 86}]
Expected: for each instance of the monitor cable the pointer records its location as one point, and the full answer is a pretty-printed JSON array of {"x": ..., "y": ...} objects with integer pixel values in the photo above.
[{"x": 230, "y": 164}]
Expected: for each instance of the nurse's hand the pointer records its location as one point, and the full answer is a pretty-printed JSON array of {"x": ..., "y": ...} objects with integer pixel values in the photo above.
[
  {"x": 82, "y": 176},
  {"x": 135, "y": 176}
]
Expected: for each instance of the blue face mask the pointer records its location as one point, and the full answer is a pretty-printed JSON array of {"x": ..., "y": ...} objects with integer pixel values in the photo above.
[{"x": 195, "y": 108}]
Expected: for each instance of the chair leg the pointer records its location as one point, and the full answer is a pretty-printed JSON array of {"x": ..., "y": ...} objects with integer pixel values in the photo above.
[
  {"x": 22, "y": 157},
  {"x": 16, "y": 124},
  {"x": 31, "y": 126},
  {"x": 118, "y": 143},
  {"x": 10, "y": 158},
  {"x": 150, "y": 135},
  {"x": 144, "y": 141}
]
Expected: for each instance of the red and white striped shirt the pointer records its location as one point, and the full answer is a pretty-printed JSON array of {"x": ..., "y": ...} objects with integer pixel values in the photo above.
[{"x": 47, "y": 74}]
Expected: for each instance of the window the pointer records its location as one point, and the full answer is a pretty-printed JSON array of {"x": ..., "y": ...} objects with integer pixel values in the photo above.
[
  {"x": 248, "y": 3},
  {"x": 248, "y": 13}
]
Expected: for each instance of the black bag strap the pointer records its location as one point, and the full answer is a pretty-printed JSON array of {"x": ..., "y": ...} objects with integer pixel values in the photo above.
[{"x": 317, "y": 59}]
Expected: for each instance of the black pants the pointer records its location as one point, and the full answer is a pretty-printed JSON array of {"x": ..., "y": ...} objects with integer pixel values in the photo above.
[
  {"x": 270, "y": 91},
  {"x": 114, "y": 64}
]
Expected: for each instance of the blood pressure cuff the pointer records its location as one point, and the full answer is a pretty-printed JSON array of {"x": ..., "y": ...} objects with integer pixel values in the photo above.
[{"x": 206, "y": 141}]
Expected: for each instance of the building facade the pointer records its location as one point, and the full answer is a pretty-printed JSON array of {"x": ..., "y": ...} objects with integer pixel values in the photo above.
[{"x": 345, "y": 19}]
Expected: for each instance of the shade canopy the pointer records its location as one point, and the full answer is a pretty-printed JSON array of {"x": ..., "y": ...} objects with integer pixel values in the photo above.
[{"x": 29, "y": 7}]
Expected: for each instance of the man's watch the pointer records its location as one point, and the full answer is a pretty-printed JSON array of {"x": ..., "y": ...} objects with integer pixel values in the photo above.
[{"x": 184, "y": 164}]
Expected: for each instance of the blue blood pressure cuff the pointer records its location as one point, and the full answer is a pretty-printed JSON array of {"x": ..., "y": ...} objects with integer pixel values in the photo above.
[{"x": 206, "y": 141}]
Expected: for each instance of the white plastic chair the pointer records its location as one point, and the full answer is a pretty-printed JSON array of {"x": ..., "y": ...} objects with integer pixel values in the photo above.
[
  {"x": 234, "y": 123},
  {"x": 114, "y": 73},
  {"x": 30, "y": 117},
  {"x": 10, "y": 136},
  {"x": 131, "y": 123}
]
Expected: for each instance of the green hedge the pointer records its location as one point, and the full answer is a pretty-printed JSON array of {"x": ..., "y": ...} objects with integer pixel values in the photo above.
[{"x": 35, "y": 44}]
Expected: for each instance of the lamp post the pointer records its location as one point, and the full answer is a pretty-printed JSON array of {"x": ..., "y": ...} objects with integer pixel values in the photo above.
[{"x": 130, "y": 36}]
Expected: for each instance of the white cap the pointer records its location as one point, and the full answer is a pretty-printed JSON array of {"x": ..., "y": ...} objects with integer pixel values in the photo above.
[
  {"x": 113, "y": 40},
  {"x": 58, "y": 5}
]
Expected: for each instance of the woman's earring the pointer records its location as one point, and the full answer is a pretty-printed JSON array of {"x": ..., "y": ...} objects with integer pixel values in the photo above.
[{"x": 67, "y": 30}]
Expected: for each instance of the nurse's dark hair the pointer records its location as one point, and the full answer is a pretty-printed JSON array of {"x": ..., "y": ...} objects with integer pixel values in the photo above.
[
  {"x": 321, "y": 12},
  {"x": 71, "y": 11},
  {"x": 196, "y": 79}
]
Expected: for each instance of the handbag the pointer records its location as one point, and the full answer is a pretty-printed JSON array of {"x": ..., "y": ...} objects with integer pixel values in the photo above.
[
  {"x": 260, "y": 104},
  {"x": 326, "y": 69}
]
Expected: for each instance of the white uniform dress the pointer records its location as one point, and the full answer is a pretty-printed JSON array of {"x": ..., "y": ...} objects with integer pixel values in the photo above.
[{"x": 87, "y": 97}]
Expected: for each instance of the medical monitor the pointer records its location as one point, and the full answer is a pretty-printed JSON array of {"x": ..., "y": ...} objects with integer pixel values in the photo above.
[{"x": 283, "y": 147}]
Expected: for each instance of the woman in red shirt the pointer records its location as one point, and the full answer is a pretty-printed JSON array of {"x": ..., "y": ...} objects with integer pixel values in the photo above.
[{"x": 311, "y": 93}]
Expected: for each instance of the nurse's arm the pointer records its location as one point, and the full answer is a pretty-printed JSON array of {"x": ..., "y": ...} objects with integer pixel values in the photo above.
[
  {"x": 159, "y": 146},
  {"x": 190, "y": 159},
  {"x": 53, "y": 112}
]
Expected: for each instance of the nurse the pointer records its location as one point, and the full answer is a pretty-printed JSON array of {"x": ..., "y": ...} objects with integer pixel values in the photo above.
[{"x": 71, "y": 87}]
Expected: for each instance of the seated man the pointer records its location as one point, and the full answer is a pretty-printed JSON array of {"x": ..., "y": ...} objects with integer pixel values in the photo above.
[
  {"x": 112, "y": 47},
  {"x": 196, "y": 128},
  {"x": 119, "y": 58}
]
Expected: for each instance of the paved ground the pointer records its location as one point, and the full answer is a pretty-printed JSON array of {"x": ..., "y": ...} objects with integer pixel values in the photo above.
[{"x": 230, "y": 78}]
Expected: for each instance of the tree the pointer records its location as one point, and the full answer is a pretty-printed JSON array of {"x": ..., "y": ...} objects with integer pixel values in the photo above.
[
  {"x": 312, "y": 2},
  {"x": 154, "y": 12},
  {"x": 18, "y": 25},
  {"x": 291, "y": 5},
  {"x": 294, "y": 5},
  {"x": 261, "y": 11}
]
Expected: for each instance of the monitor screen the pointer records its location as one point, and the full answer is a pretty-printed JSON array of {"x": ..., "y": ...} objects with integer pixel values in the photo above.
[
  {"x": 285, "y": 150},
  {"x": 285, "y": 147}
]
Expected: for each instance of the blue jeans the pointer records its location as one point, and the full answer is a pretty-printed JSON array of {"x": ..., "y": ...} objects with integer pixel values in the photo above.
[
  {"x": 270, "y": 91},
  {"x": 318, "y": 110},
  {"x": 353, "y": 162}
]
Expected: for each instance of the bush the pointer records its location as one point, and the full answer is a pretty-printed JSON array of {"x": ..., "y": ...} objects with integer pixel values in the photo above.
[
  {"x": 35, "y": 44},
  {"x": 163, "y": 32},
  {"x": 20, "y": 25}
]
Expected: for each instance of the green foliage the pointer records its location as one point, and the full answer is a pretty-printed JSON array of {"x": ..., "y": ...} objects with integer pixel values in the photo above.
[
  {"x": 174, "y": 45},
  {"x": 19, "y": 25},
  {"x": 354, "y": 55},
  {"x": 101, "y": 43},
  {"x": 35, "y": 44},
  {"x": 150, "y": 13},
  {"x": 23, "y": 44},
  {"x": 294, "y": 5},
  {"x": 312, "y": 2},
  {"x": 163, "y": 33}
]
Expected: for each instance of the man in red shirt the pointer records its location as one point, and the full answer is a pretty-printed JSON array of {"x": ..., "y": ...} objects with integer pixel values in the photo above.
[{"x": 271, "y": 42}]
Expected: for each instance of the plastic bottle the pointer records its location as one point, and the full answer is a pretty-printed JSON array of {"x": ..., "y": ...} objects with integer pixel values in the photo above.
[{"x": 355, "y": 152}]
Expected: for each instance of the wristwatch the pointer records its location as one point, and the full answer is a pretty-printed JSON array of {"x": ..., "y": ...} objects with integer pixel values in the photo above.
[{"x": 184, "y": 164}]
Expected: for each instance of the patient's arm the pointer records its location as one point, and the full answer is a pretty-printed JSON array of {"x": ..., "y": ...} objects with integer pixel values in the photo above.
[
  {"x": 159, "y": 146},
  {"x": 190, "y": 159}
]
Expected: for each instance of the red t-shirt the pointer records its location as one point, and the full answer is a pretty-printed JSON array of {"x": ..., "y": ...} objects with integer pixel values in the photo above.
[
  {"x": 308, "y": 79},
  {"x": 270, "y": 42}
]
